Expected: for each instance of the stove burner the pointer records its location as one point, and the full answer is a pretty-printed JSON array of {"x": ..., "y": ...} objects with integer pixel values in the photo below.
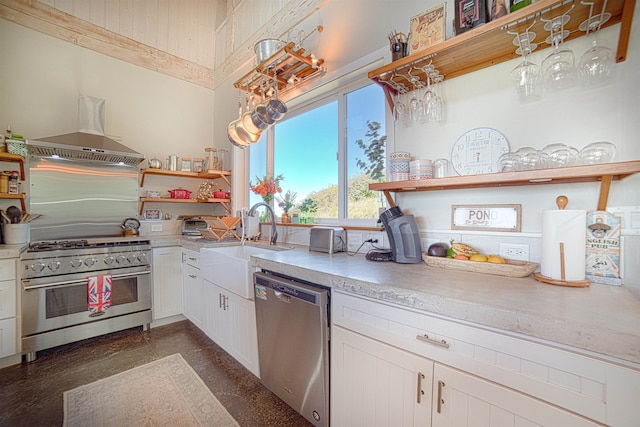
[
  {"x": 56, "y": 245},
  {"x": 79, "y": 244}
]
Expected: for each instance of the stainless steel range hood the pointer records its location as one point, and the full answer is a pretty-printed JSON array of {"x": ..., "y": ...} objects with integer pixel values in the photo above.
[{"x": 84, "y": 146}]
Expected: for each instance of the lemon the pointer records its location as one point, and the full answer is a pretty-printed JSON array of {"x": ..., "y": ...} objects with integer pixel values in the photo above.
[
  {"x": 495, "y": 259},
  {"x": 478, "y": 258}
]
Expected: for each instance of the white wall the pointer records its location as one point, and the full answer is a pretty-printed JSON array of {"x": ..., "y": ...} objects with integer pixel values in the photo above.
[{"x": 42, "y": 77}]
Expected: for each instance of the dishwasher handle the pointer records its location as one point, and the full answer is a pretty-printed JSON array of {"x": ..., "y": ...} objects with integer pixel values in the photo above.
[{"x": 291, "y": 289}]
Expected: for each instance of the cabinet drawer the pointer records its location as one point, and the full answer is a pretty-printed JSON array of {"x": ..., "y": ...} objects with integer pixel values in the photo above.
[
  {"x": 192, "y": 258},
  {"x": 7, "y": 299},
  {"x": 7, "y": 269},
  {"x": 574, "y": 381}
]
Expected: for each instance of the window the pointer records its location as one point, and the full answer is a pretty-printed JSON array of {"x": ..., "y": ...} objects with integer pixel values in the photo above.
[{"x": 329, "y": 170}]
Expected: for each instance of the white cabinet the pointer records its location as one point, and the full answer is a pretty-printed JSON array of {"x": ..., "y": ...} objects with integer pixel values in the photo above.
[
  {"x": 464, "y": 400},
  {"x": 167, "y": 282},
  {"x": 231, "y": 323},
  {"x": 193, "y": 288},
  {"x": 8, "y": 308},
  {"x": 375, "y": 384},
  {"x": 491, "y": 367}
]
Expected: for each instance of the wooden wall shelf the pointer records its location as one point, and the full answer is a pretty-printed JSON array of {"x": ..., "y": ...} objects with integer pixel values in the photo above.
[
  {"x": 604, "y": 173},
  {"x": 209, "y": 174},
  {"x": 491, "y": 44},
  {"x": 16, "y": 158}
]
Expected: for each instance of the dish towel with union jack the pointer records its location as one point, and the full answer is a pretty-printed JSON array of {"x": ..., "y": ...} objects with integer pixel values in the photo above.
[{"x": 99, "y": 291}]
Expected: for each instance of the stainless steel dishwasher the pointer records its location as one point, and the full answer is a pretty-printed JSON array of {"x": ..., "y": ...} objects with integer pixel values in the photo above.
[{"x": 293, "y": 343}]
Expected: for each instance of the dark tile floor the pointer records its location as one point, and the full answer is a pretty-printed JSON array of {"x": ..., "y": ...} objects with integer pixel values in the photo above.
[{"x": 31, "y": 393}]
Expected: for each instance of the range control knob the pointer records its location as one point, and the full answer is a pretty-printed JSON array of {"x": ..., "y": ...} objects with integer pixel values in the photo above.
[
  {"x": 89, "y": 262},
  {"x": 76, "y": 263},
  {"x": 120, "y": 259},
  {"x": 37, "y": 267},
  {"x": 109, "y": 259},
  {"x": 132, "y": 258},
  {"x": 54, "y": 265},
  {"x": 142, "y": 257}
]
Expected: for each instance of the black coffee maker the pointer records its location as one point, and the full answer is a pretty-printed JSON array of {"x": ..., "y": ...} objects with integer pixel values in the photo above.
[{"x": 404, "y": 239}]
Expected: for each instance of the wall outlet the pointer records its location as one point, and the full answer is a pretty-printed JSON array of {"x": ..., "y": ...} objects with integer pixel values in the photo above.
[
  {"x": 354, "y": 240},
  {"x": 518, "y": 252}
]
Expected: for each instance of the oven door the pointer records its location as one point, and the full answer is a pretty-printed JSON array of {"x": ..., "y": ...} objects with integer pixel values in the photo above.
[{"x": 58, "y": 302}]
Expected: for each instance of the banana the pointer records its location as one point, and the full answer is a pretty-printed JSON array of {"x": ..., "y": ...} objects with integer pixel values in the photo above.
[{"x": 463, "y": 249}]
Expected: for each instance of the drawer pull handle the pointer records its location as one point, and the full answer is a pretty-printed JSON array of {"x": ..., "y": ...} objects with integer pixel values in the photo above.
[
  {"x": 420, "y": 390},
  {"x": 440, "y": 399},
  {"x": 425, "y": 337}
]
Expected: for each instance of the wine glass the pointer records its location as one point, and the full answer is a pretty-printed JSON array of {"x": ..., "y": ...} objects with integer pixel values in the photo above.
[
  {"x": 526, "y": 75},
  {"x": 595, "y": 65},
  {"x": 558, "y": 68}
]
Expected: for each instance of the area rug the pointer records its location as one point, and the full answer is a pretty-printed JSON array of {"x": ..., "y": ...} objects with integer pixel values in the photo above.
[{"x": 166, "y": 392}]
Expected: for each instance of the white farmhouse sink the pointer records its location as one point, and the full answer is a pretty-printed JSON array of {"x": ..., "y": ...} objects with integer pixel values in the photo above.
[{"x": 229, "y": 267}]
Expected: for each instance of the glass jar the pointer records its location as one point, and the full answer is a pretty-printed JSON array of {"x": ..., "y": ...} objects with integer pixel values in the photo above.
[
  {"x": 198, "y": 164},
  {"x": 212, "y": 161},
  {"x": 186, "y": 164},
  {"x": 14, "y": 187},
  {"x": 223, "y": 159}
]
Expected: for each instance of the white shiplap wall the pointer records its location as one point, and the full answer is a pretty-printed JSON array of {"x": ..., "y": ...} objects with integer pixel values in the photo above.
[
  {"x": 183, "y": 28},
  {"x": 187, "y": 28}
]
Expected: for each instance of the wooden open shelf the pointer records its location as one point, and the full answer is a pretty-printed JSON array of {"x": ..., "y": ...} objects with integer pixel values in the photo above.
[
  {"x": 604, "y": 173},
  {"x": 224, "y": 202},
  {"x": 8, "y": 157},
  {"x": 210, "y": 174},
  {"x": 281, "y": 66},
  {"x": 491, "y": 44}
]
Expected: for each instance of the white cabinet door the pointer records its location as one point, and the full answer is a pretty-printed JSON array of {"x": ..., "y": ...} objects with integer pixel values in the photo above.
[
  {"x": 167, "y": 282},
  {"x": 375, "y": 384},
  {"x": 8, "y": 339},
  {"x": 231, "y": 323},
  {"x": 193, "y": 295},
  {"x": 464, "y": 400},
  {"x": 216, "y": 321},
  {"x": 243, "y": 340}
]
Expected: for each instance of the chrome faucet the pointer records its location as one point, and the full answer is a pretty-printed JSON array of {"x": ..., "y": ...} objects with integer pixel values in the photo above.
[{"x": 274, "y": 232}]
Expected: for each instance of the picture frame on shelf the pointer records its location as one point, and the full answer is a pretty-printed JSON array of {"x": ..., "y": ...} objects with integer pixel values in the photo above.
[
  {"x": 428, "y": 28},
  {"x": 152, "y": 214},
  {"x": 470, "y": 14}
]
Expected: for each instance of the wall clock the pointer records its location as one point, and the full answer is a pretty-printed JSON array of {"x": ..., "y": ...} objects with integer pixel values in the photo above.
[{"x": 477, "y": 151}]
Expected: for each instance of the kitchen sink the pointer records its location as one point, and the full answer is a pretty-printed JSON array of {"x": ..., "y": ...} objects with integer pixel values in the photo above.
[{"x": 229, "y": 266}]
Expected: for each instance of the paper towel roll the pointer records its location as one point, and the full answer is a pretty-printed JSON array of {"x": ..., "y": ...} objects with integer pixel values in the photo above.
[{"x": 568, "y": 227}]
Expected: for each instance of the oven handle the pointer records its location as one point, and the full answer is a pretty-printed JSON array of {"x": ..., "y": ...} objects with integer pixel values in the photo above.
[{"x": 72, "y": 282}]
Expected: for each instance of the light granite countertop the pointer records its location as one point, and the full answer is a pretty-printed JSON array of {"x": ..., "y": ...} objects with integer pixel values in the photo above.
[{"x": 599, "y": 318}]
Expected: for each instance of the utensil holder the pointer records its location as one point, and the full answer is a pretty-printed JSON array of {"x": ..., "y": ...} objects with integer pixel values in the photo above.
[
  {"x": 15, "y": 234},
  {"x": 398, "y": 50}
]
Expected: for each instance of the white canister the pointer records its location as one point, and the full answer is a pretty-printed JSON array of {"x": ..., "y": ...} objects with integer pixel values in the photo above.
[{"x": 15, "y": 234}]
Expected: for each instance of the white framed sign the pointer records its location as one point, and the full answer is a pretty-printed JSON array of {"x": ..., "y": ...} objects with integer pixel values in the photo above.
[{"x": 486, "y": 217}]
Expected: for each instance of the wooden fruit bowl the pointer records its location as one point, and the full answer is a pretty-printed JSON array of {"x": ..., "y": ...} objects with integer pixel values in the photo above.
[{"x": 512, "y": 268}]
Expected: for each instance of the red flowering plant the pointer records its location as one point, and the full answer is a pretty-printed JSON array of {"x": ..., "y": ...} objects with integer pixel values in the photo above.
[{"x": 267, "y": 187}]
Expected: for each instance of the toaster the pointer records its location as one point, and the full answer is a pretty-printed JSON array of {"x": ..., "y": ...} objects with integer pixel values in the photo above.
[
  {"x": 327, "y": 239},
  {"x": 190, "y": 226}
]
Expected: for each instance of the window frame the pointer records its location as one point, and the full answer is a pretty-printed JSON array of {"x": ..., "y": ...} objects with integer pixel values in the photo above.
[{"x": 338, "y": 94}]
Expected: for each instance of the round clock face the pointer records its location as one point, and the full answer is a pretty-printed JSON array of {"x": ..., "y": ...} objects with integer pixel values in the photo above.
[{"x": 477, "y": 151}]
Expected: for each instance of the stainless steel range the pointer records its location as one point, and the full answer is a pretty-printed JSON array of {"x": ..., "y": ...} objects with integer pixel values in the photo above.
[{"x": 55, "y": 279}]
